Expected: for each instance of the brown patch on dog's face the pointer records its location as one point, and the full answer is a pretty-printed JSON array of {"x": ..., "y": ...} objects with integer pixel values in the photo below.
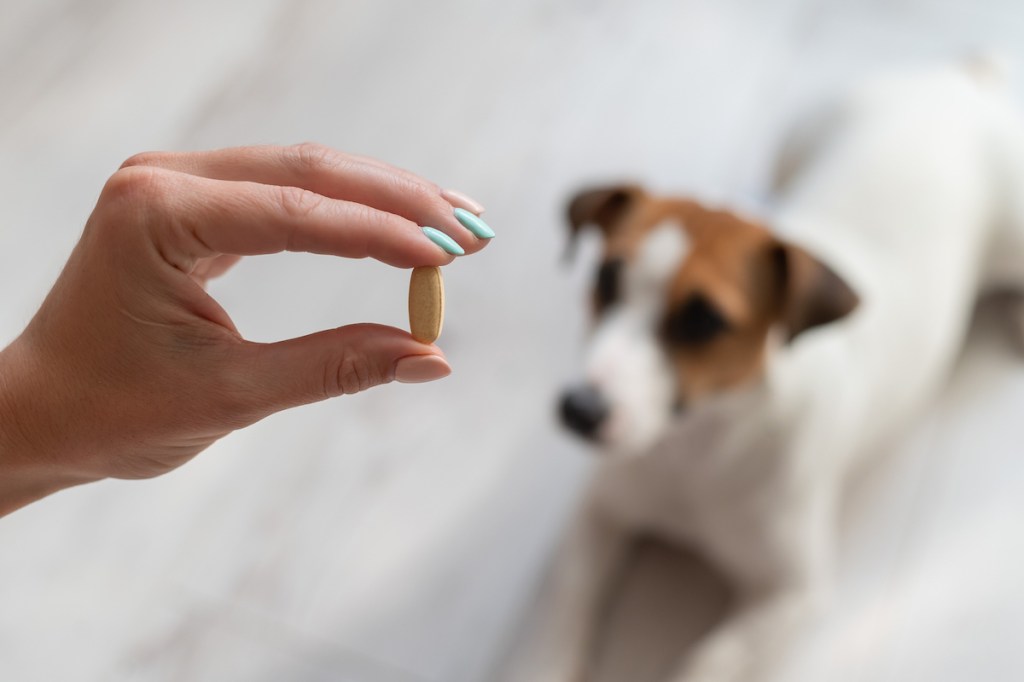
[
  {"x": 736, "y": 283},
  {"x": 721, "y": 305}
]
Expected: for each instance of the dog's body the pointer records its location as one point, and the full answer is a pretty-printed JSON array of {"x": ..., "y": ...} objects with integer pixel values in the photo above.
[{"x": 913, "y": 190}]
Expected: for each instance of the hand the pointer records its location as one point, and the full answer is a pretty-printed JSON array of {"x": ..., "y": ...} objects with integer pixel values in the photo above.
[{"x": 130, "y": 369}]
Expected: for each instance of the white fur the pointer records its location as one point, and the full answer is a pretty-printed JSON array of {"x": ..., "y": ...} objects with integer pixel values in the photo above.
[
  {"x": 913, "y": 190},
  {"x": 626, "y": 362}
]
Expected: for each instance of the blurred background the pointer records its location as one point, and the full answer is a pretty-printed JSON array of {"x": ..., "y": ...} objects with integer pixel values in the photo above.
[{"x": 397, "y": 536}]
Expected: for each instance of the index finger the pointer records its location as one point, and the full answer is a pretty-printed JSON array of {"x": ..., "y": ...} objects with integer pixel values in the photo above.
[
  {"x": 330, "y": 173},
  {"x": 191, "y": 217}
]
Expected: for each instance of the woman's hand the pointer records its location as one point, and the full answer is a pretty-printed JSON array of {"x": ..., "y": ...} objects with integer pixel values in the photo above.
[{"x": 130, "y": 369}]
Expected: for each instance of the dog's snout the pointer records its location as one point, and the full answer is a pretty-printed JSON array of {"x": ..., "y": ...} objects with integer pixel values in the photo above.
[{"x": 583, "y": 410}]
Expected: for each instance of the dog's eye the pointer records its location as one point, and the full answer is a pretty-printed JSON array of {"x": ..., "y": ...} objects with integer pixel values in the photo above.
[
  {"x": 609, "y": 277},
  {"x": 693, "y": 323}
]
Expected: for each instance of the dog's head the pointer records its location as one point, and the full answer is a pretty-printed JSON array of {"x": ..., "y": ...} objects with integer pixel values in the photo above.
[{"x": 686, "y": 303}]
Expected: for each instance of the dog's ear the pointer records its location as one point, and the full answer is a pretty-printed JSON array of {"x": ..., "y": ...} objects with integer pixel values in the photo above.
[
  {"x": 811, "y": 293},
  {"x": 603, "y": 207}
]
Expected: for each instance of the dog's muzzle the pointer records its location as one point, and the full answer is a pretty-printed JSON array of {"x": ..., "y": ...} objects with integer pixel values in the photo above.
[{"x": 584, "y": 410}]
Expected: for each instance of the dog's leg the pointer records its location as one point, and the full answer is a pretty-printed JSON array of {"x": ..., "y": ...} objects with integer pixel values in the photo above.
[
  {"x": 745, "y": 648},
  {"x": 571, "y": 600},
  {"x": 1005, "y": 272},
  {"x": 1004, "y": 268},
  {"x": 782, "y": 577}
]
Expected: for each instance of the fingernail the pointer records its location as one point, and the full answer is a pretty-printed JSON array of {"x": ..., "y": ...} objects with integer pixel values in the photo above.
[
  {"x": 443, "y": 240},
  {"x": 474, "y": 224},
  {"x": 460, "y": 200},
  {"x": 417, "y": 369}
]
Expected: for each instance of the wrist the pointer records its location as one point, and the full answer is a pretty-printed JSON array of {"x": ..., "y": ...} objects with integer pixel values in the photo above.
[{"x": 28, "y": 472}]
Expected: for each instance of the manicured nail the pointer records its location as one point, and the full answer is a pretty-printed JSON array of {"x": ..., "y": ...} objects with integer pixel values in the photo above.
[
  {"x": 443, "y": 240},
  {"x": 474, "y": 224},
  {"x": 460, "y": 200},
  {"x": 417, "y": 369}
]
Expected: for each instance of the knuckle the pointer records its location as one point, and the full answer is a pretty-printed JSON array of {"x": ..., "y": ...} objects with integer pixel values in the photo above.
[
  {"x": 312, "y": 158},
  {"x": 142, "y": 159},
  {"x": 135, "y": 185},
  {"x": 381, "y": 230},
  {"x": 420, "y": 198},
  {"x": 418, "y": 192},
  {"x": 410, "y": 176},
  {"x": 299, "y": 203},
  {"x": 414, "y": 192},
  {"x": 370, "y": 217},
  {"x": 349, "y": 374}
]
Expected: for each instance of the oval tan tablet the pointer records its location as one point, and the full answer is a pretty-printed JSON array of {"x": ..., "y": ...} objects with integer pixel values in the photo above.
[{"x": 426, "y": 304}]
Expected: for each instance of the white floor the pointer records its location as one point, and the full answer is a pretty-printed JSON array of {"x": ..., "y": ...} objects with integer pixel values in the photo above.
[{"x": 395, "y": 536}]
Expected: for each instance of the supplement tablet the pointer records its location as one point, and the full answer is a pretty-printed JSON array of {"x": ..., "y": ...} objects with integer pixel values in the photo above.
[{"x": 426, "y": 304}]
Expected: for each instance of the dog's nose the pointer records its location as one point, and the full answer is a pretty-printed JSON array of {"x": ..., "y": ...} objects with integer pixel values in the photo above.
[{"x": 584, "y": 410}]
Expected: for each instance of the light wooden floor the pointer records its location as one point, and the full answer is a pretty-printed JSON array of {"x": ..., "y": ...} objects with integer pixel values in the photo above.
[{"x": 395, "y": 536}]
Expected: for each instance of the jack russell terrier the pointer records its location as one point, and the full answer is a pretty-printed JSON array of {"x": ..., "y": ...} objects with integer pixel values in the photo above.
[{"x": 737, "y": 373}]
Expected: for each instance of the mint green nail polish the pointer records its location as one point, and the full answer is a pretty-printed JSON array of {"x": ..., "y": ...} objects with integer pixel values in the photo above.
[
  {"x": 474, "y": 224},
  {"x": 443, "y": 240}
]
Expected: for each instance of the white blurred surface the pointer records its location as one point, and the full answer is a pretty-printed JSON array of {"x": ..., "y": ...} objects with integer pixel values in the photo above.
[{"x": 394, "y": 536}]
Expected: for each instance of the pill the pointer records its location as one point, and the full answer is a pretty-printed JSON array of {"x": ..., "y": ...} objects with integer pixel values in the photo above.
[{"x": 426, "y": 304}]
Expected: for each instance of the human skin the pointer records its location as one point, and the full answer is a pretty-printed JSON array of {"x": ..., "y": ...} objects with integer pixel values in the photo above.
[{"x": 129, "y": 368}]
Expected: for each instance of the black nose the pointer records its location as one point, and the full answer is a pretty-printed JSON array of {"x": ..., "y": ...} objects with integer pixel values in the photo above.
[{"x": 584, "y": 410}]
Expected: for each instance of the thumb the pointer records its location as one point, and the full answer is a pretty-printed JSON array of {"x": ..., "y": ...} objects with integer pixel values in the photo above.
[{"x": 337, "y": 362}]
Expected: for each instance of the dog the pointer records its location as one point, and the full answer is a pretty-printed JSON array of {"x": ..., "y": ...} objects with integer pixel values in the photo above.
[{"x": 740, "y": 368}]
